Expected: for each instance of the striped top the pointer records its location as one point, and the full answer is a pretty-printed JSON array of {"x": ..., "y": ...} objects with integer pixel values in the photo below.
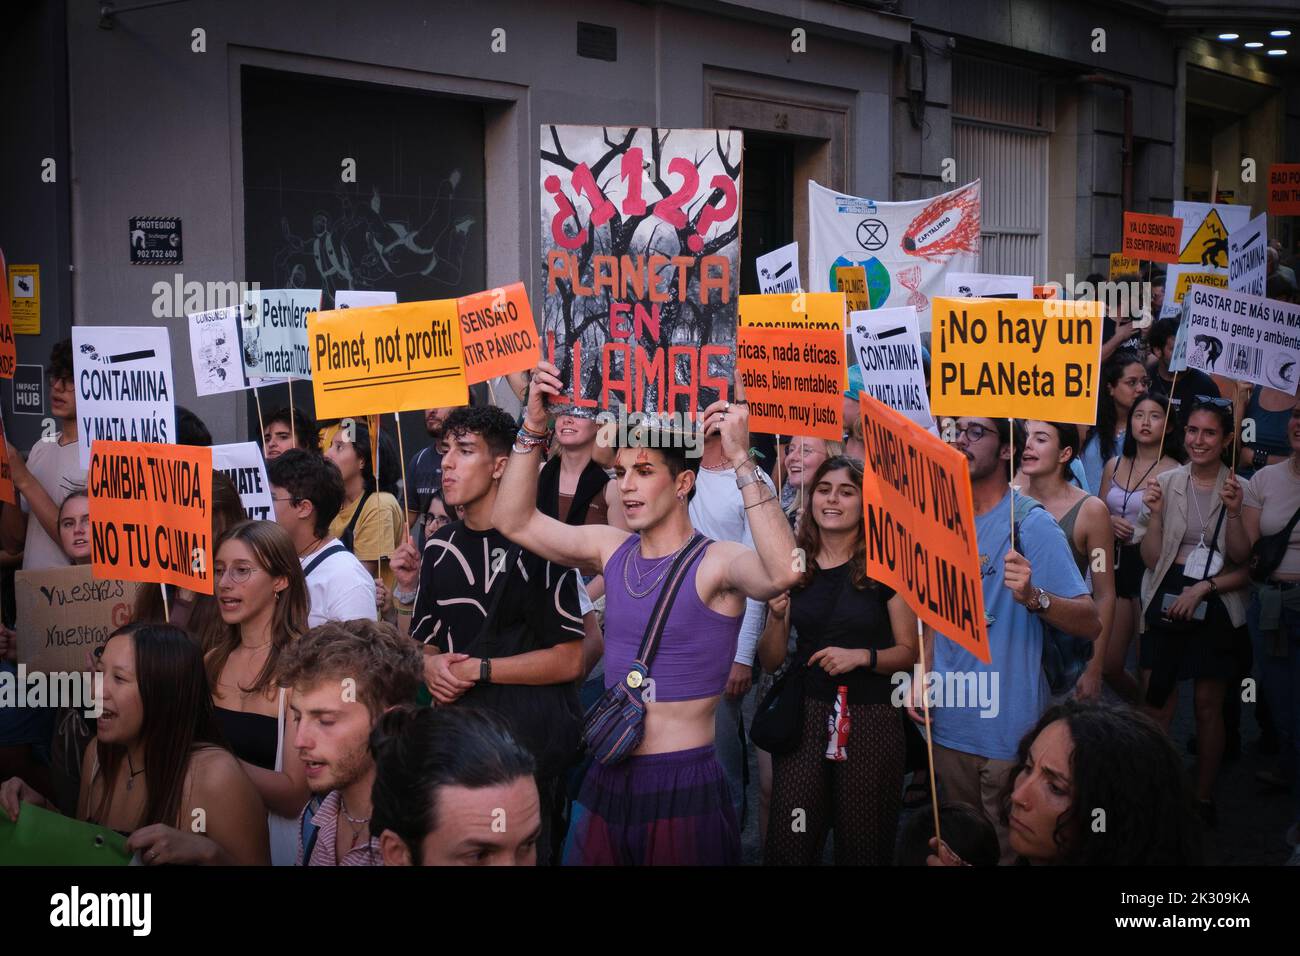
[{"x": 322, "y": 854}]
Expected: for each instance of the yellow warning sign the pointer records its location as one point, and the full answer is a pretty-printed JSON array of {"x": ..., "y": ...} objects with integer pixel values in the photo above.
[
  {"x": 1208, "y": 246},
  {"x": 1188, "y": 279}
]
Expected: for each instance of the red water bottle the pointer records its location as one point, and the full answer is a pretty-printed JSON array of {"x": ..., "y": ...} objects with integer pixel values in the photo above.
[{"x": 838, "y": 725}]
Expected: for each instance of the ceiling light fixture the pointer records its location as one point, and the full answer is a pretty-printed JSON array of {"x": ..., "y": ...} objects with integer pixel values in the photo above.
[
  {"x": 1229, "y": 36},
  {"x": 1277, "y": 52},
  {"x": 1279, "y": 33},
  {"x": 1254, "y": 45}
]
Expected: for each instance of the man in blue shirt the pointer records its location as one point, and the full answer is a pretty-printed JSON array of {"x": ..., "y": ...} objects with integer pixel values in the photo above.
[{"x": 982, "y": 710}]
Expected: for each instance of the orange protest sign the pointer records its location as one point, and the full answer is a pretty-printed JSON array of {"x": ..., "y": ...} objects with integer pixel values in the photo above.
[
  {"x": 793, "y": 380},
  {"x": 1047, "y": 292},
  {"x": 793, "y": 310},
  {"x": 8, "y": 350},
  {"x": 920, "y": 525},
  {"x": 1284, "y": 189},
  {"x": 1016, "y": 358},
  {"x": 7, "y": 492},
  {"x": 1158, "y": 238},
  {"x": 386, "y": 358},
  {"x": 498, "y": 332},
  {"x": 151, "y": 513}
]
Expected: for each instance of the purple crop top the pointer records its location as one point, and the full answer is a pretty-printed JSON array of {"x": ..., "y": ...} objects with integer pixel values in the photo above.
[{"x": 698, "y": 644}]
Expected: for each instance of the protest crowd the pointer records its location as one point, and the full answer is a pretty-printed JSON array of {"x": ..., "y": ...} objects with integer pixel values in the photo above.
[{"x": 544, "y": 640}]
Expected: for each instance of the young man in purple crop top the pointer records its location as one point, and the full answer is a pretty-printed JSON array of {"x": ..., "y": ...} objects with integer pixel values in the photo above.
[{"x": 668, "y": 803}]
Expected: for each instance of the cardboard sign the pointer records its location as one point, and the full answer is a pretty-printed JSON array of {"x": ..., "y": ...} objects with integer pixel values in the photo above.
[
  {"x": 1245, "y": 337},
  {"x": 852, "y": 281},
  {"x": 7, "y": 491},
  {"x": 641, "y": 264},
  {"x": 362, "y": 298},
  {"x": 1122, "y": 267},
  {"x": 778, "y": 271},
  {"x": 1025, "y": 358},
  {"x": 802, "y": 310},
  {"x": 920, "y": 522},
  {"x": 794, "y": 380},
  {"x": 216, "y": 349},
  {"x": 1248, "y": 257},
  {"x": 274, "y": 334},
  {"x": 125, "y": 388},
  {"x": 151, "y": 514},
  {"x": 906, "y": 248},
  {"x": 62, "y": 613},
  {"x": 243, "y": 464},
  {"x": 887, "y": 347},
  {"x": 499, "y": 335},
  {"x": 981, "y": 285},
  {"x": 1204, "y": 257},
  {"x": 1284, "y": 189},
  {"x": 1156, "y": 238},
  {"x": 8, "y": 350},
  {"x": 25, "y": 299},
  {"x": 387, "y": 358}
]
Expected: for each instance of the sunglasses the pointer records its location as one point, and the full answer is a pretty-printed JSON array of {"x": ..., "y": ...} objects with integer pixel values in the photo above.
[{"x": 1214, "y": 400}]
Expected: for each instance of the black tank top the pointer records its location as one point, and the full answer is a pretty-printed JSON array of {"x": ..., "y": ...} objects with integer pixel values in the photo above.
[{"x": 251, "y": 736}]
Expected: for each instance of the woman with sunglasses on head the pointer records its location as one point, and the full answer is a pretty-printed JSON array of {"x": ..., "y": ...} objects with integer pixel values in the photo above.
[
  {"x": 1271, "y": 504},
  {"x": 1122, "y": 485},
  {"x": 1047, "y": 451},
  {"x": 1125, "y": 380},
  {"x": 158, "y": 760},
  {"x": 853, "y": 633},
  {"x": 263, "y": 599},
  {"x": 1194, "y": 611}
]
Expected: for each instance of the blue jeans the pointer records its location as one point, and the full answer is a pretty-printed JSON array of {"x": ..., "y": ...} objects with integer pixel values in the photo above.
[{"x": 1279, "y": 675}]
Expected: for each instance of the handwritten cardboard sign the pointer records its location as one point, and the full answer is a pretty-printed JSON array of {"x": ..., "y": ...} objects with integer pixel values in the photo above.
[{"x": 62, "y": 613}]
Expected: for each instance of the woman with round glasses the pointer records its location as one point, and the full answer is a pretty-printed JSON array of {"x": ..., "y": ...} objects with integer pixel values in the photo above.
[{"x": 262, "y": 596}]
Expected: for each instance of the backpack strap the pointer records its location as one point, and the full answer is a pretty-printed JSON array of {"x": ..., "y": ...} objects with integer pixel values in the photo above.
[
  {"x": 347, "y": 537},
  {"x": 333, "y": 549},
  {"x": 654, "y": 628}
]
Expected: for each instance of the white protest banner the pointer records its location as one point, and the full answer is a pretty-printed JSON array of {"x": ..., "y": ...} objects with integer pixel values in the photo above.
[
  {"x": 1204, "y": 259},
  {"x": 242, "y": 463},
  {"x": 981, "y": 285},
  {"x": 1248, "y": 256},
  {"x": 362, "y": 298},
  {"x": 1243, "y": 336},
  {"x": 904, "y": 247},
  {"x": 125, "y": 388},
  {"x": 216, "y": 350},
  {"x": 275, "y": 334},
  {"x": 778, "y": 271},
  {"x": 887, "y": 349}
]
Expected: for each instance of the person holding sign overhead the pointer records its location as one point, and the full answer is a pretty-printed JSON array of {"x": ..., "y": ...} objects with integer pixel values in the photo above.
[
  {"x": 974, "y": 745},
  {"x": 157, "y": 764},
  {"x": 663, "y": 799},
  {"x": 263, "y": 601}
]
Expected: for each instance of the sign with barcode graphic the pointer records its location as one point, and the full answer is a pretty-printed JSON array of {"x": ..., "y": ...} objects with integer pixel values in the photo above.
[{"x": 1245, "y": 337}]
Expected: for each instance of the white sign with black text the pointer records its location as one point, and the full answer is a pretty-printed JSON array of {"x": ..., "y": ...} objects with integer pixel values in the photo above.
[
  {"x": 125, "y": 387},
  {"x": 242, "y": 463},
  {"x": 1248, "y": 256},
  {"x": 1246, "y": 337},
  {"x": 887, "y": 350},
  {"x": 778, "y": 271}
]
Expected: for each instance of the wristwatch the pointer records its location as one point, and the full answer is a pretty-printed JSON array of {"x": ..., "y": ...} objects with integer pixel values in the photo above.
[
  {"x": 484, "y": 671},
  {"x": 1041, "y": 601}
]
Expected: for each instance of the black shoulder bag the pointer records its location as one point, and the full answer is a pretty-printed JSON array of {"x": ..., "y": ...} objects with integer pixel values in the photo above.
[
  {"x": 615, "y": 724},
  {"x": 543, "y": 718},
  {"x": 1267, "y": 554},
  {"x": 349, "y": 532},
  {"x": 1156, "y": 609}
]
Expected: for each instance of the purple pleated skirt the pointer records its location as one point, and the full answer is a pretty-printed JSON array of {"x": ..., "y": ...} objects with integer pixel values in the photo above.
[{"x": 671, "y": 809}]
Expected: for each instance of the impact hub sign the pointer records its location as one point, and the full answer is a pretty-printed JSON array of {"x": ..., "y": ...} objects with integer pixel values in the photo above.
[{"x": 641, "y": 252}]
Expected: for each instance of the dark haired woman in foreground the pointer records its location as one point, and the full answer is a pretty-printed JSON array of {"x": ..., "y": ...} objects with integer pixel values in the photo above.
[
  {"x": 157, "y": 766},
  {"x": 453, "y": 787},
  {"x": 1097, "y": 785}
]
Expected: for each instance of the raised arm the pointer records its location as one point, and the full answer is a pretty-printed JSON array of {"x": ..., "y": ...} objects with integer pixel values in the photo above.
[
  {"x": 769, "y": 568},
  {"x": 515, "y": 514}
]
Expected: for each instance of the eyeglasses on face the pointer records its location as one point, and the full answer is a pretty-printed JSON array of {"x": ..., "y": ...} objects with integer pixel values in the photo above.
[
  {"x": 239, "y": 573},
  {"x": 973, "y": 433}
]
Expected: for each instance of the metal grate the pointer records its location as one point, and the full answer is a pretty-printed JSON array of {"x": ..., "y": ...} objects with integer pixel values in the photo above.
[{"x": 596, "y": 42}]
